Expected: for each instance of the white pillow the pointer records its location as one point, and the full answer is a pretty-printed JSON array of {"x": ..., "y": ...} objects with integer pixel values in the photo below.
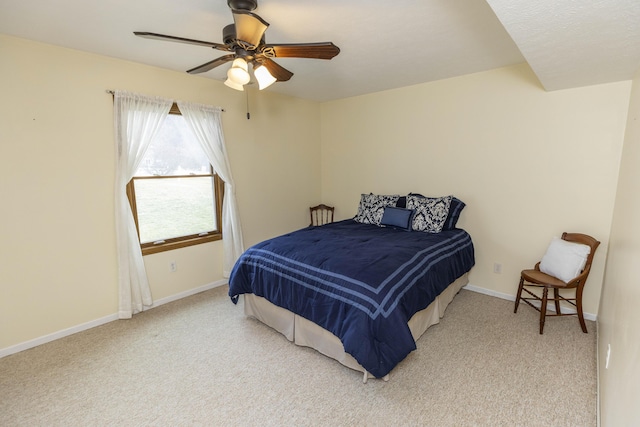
[{"x": 564, "y": 260}]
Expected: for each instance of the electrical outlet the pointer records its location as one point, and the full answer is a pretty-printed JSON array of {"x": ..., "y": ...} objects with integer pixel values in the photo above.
[
  {"x": 497, "y": 268},
  {"x": 173, "y": 266}
]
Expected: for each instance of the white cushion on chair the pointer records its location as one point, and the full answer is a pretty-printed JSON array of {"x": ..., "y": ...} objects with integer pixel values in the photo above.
[{"x": 564, "y": 260}]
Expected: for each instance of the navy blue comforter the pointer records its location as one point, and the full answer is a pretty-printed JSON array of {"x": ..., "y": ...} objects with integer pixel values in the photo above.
[{"x": 359, "y": 281}]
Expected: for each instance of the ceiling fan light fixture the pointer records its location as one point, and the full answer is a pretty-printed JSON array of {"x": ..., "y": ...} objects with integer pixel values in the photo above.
[
  {"x": 239, "y": 72},
  {"x": 233, "y": 85},
  {"x": 263, "y": 76}
]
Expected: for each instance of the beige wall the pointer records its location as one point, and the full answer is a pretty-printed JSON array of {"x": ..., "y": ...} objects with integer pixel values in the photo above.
[
  {"x": 619, "y": 316},
  {"x": 57, "y": 258},
  {"x": 530, "y": 164}
]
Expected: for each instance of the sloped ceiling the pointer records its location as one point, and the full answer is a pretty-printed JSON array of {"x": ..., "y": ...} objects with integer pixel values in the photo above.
[
  {"x": 384, "y": 44},
  {"x": 572, "y": 43}
]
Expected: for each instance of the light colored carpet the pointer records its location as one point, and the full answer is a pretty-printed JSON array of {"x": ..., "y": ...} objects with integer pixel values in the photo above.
[{"x": 200, "y": 362}]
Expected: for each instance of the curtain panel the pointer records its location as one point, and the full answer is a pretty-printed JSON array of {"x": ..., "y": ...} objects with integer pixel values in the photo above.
[
  {"x": 137, "y": 119},
  {"x": 206, "y": 124}
]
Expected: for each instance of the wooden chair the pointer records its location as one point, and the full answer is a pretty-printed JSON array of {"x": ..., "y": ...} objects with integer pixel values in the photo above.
[
  {"x": 537, "y": 279},
  {"x": 321, "y": 214}
]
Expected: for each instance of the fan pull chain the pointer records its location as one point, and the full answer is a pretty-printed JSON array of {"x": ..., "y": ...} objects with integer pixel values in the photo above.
[{"x": 247, "y": 97}]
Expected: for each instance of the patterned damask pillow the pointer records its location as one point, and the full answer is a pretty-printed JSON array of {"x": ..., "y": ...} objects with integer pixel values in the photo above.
[
  {"x": 454, "y": 210},
  {"x": 430, "y": 213},
  {"x": 371, "y": 207}
]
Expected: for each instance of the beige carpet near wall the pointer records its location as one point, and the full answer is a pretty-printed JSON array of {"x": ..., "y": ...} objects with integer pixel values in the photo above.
[{"x": 200, "y": 362}]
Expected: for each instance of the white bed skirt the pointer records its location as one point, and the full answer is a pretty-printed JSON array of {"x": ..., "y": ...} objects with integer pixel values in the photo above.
[{"x": 306, "y": 333}]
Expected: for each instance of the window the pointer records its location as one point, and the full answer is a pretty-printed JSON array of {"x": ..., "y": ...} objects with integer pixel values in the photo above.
[{"x": 175, "y": 195}]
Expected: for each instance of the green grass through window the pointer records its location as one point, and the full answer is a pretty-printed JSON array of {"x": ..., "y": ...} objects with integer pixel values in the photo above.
[{"x": 174, "y": 207}]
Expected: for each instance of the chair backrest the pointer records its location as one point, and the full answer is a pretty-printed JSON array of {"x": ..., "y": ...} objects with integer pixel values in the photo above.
[
  {"x": 585, "y": 240},
  {"x": 321, "y": 214}
]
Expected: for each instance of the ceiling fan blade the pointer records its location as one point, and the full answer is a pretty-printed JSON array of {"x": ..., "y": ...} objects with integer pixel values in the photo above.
[
  {"x": 279, "y": 72},
  {"x": 163, "y": 37},
  {"x": 211, "y": 64},
  {"x": 323, "y": 50},
  {"x": 249, "y": 27}
]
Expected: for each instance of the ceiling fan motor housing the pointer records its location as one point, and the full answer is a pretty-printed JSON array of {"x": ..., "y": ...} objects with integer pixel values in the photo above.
[
  {"x": 229, "y": 34},
  {"x": 242, "y": 4}
]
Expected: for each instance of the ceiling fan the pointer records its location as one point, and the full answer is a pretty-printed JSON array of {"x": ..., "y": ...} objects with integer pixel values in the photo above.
[{"x": 245, "y": 40}]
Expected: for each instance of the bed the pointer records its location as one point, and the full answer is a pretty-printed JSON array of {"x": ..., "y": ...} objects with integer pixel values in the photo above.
[{"x": 361, "y": 290}]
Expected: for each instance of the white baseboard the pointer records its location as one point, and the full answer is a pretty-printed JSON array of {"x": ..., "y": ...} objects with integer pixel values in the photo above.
[
  {"x": 56, "y": 335},
  {"x": 588, "y": 316},
  {"x": 188, "y": 293},
  {"x": 101, "y": 321}
]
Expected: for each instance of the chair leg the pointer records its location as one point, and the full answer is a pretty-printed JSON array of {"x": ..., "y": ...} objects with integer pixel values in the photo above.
[
  {"x": 556, "y": 296},
  {"x": 543, "y": 309},
  {"x": 583, "y": 325},
  {"x": 515, "y": 310}
]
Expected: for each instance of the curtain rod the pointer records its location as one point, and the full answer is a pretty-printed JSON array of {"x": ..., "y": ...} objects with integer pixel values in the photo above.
[{"x": 113, "y": 92}]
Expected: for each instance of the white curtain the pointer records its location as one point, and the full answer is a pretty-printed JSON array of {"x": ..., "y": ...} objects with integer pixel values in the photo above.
[
  {"x": 137, "y": 119},
  {"x": 204, "y": 121}
]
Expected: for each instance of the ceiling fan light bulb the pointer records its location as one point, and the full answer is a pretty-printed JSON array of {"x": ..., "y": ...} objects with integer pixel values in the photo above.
[
  {"x": 233, "y": 85},
  {"x": 264, "y": 77},
  {"x": 239, "y": 72}
]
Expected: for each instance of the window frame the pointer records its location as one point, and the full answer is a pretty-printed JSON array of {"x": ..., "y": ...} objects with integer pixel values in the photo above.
[{"x": 183, "y": 241}]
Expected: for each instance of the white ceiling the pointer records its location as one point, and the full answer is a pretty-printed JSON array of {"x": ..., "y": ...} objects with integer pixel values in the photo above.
[{"x": 384, "y": 44}]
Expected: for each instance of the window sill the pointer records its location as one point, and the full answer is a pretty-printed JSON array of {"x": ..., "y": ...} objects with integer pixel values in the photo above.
[{"x": 150, "y": 248}]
